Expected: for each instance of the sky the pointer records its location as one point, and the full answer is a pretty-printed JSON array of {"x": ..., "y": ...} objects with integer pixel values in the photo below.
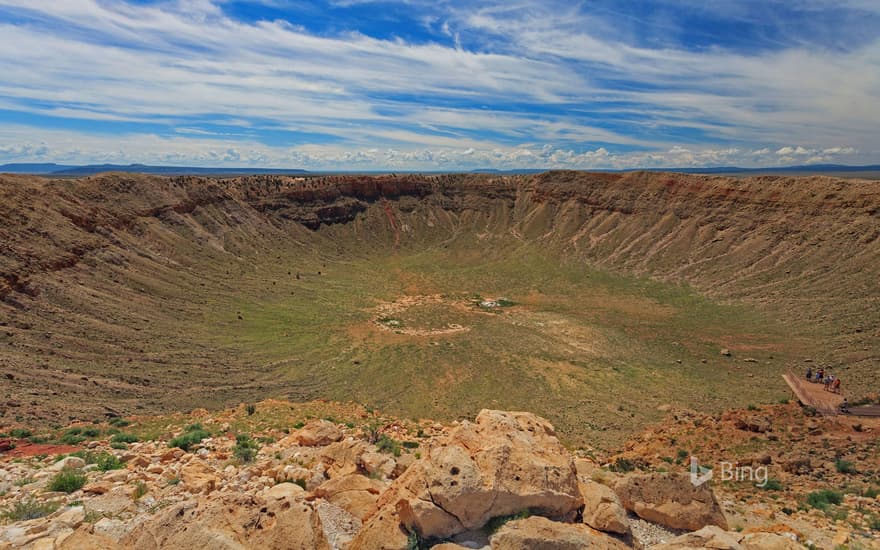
[{"x": 440, "y": 84}]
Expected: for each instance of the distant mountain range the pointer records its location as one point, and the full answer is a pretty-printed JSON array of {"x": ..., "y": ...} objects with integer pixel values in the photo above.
[
  {"x": 61, "y": 170},
  {"x": 91, "y": 169}
]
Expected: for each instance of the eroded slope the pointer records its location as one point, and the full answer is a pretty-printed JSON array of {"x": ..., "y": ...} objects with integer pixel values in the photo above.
[{"x": 142, "y": 292}]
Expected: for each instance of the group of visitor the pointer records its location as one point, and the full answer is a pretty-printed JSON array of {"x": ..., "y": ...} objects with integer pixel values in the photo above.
[{"x": 831, "y": 382}]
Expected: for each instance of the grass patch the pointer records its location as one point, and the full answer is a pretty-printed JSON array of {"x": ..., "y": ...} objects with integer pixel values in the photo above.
[
  {"x": 245, "y": 448},
  {"x": 25, "y": 510},
  {"x": 845, "y": 466},
  {"x": 192, "y": 435},
  {"x": 498, "y": 522},
  {"x": 124, "y": 438},
  {"x": 67, "y": 481},
  {"x": 103, "y": 460},
  {"x": 388, "y": 445},
  {"x": 140, "y": 489},
  {"x": 622, "y": 465},
  {"x": 71, "y": 439},
  {"x": 20, "y": 433},
  {"x": 772, "y": 485},
  {"x": 824, "y": 498}
]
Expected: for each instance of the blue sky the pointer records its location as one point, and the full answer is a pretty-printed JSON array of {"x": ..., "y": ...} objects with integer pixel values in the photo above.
[{"x": 442, "y": 84}]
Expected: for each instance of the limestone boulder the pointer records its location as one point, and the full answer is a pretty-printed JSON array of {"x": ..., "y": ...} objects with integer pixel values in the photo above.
[
  {"x": 343, "y": 457},
  {"x": 502, "y": 464},
  {"x": 354, "y": 493},
  {"x": 199, "y": 477},
  {"x": 318, "y": 433},
  {"x": 234, "y": 521},
  {"x": 671, "y": 500},
  {"x": 538, "y": 533},
  {"x": 602, "y": 508}
]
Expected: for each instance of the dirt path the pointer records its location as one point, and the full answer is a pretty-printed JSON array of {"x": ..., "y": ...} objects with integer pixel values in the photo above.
[{"x": 814, "y": 394}]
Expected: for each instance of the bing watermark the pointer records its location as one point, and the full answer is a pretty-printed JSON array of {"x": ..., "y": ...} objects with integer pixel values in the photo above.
[{"x": 729, "y": 472}]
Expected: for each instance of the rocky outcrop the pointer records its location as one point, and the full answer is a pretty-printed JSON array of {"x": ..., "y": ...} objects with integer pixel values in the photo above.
[
  {"x": 502, "y": 479},
  {"x": 354, "y": 493},
  {"x": 671, "y": 500},
  {"x": 502, "y": 464},
  {"x": 278, "y": 520}
]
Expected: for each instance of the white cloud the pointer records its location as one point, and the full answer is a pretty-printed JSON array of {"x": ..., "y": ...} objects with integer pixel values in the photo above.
[{"x": 179, "y": 63}]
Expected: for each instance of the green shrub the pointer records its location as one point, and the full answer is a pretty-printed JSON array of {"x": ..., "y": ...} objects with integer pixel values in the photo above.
[
  {"x": 38, "y": 439},
  {"x": 119, "y": 422},
  {"x": 845, "y": 466},
  {"x": 140, "y": 489},
  {"x": 29, "y": 509},
  {"x": 498, "y": 522},
  {"x": 73, "y": 431},
  {"x": 772, "y": 485},
  {"x": 388, "y": 445},
  {"x": 622, "y": 465},
  {"x": 193, "y": 435},
  {"x": 118, "y": 445},
  {"x": 301, "y": 482},
  {"x": 824, "y": 498},
  {"x": 245, "y": 448},
  {"x": 103, "y": 460},
  {"x": 752, "y": 407},
  {"x": 91, "y": 432},
  {"x": 67, "y": 481},
  {"x": 251, "y": 409},
  {"x": 298, "y": 425},
  {"x": 411, "y": 444},
  {"x": 107, "y": 462},
  {"x": 20, "y": 433},
  {"x": 124, "y": 438},
  {"x": 72, "y": 439},
  {"x": 681, "y": 455}
]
